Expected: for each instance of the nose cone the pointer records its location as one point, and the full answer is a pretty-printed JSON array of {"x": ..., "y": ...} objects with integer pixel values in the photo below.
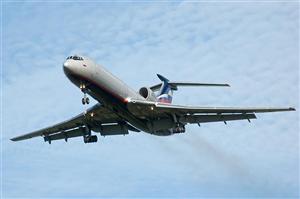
[
  {"x": 66, "y": 64},
  {"x": 67, "y": 67}
]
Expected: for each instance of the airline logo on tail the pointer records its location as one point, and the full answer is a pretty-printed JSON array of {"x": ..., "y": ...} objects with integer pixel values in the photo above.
[
  {"x": 165, "y": 94},
  {"x": 166, "y": 97}
]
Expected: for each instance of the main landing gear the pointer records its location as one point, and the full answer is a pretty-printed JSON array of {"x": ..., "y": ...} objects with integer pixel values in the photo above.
[
  {"x": 85, "y": 99},
  {"x": 88, "y": 137}
]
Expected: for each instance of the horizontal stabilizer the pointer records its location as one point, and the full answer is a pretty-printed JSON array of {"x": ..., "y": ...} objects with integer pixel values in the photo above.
[{"x": 174, "y": 85}]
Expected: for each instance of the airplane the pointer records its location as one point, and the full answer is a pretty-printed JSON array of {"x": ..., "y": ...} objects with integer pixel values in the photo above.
[{"x": 121, "y": 109}]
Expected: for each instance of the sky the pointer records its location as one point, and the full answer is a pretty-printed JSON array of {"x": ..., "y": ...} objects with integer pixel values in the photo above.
[{"x": 253, "y": 46}]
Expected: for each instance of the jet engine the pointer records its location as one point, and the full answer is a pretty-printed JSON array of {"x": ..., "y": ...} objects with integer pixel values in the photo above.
[{"x": 147, "y": 93}]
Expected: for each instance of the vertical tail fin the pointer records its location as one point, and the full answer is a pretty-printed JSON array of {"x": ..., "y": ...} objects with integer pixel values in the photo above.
[{"x": 165, "y": 95}]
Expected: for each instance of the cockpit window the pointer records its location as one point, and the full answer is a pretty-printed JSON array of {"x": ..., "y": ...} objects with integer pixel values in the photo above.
[{"x": 75, "y": 57}]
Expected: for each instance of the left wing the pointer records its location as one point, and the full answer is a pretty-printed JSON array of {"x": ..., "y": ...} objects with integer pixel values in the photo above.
[
  {"x": 190, "y": 109},
  {"x": 97, "y": 113},
  {"x": 192, "y": 114}
]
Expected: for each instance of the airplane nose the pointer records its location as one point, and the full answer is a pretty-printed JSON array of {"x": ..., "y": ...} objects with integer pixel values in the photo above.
[
  {"x": 66, "y": 64},
  {"x": 67, "y": 67}
]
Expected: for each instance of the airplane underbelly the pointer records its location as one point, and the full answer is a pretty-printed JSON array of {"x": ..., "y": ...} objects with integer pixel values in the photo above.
[{"x": 115, "y": 102}]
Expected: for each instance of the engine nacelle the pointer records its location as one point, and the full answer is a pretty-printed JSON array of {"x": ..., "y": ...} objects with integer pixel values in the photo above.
[
  {"x": 147, "y": 93},
  {"x": 112, "y": 129}
]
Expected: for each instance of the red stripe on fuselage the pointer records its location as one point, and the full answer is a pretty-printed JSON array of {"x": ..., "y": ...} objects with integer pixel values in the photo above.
[{"x": 164, "y": 100}]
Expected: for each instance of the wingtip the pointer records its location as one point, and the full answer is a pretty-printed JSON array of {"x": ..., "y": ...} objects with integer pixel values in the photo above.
[
  {"x": 292, "y": 109},
  {"x": 15, "y": 139}
]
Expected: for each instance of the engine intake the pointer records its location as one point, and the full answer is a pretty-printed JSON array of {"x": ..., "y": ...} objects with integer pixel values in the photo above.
[{"x": 147, "y": 93}]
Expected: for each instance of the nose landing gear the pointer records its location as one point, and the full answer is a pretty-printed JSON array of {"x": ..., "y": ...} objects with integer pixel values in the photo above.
[{"x": 85, "y": 99}]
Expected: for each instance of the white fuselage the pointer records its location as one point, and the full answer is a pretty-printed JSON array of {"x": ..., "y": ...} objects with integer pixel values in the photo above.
[
  {"x": 88, "y": 71},
  {"x": 104, "y": 87}
]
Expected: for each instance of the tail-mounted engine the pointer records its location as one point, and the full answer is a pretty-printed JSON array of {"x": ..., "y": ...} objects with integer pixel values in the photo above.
[{"x": 147, "y": 93}]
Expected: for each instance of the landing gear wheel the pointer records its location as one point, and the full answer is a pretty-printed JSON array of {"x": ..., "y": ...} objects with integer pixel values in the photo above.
[{"x": 85, "y": 100}]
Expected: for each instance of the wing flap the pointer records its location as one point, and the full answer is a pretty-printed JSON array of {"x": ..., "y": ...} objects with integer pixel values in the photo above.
[
  {"x": 66, "y": 135},
  {"x": 192, "y": 119}
]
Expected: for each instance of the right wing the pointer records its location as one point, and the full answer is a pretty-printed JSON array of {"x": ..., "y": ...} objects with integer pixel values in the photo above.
[{"x": 97, "y": 113}]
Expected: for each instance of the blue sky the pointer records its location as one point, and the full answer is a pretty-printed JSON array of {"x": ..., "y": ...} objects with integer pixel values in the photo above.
[{"x": 252, "y": 46}]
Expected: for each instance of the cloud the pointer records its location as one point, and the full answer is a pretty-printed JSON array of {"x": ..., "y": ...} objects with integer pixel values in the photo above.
[{"x": 252, "y": 47}]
